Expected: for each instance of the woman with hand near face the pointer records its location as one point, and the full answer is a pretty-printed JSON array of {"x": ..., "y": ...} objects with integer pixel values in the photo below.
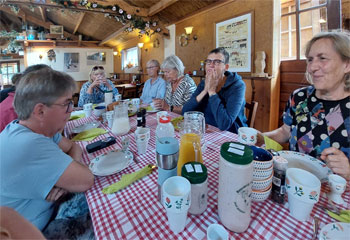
[
  {"x": 221, "y": 96},
  {"x": 93, "y": 90},
  {"x": 179, "y": 87},
  {"x": 317, "y": 117}
]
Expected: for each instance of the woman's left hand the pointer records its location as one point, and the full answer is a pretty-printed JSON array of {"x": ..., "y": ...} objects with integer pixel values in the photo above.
[{"x": 337, "y": 161}]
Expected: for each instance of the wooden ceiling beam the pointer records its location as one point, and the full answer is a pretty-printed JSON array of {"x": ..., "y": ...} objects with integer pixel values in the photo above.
[
  {"x": 79, "y": 22},
  {"x": 35, "y": 20},
  {"x": 115, "y": 34},
  {"x": 143, "y": 12},
  {"x": 5, "y": 24},
  {"x": 156, "y": 8},
  {"x": 43, "y": 13}
]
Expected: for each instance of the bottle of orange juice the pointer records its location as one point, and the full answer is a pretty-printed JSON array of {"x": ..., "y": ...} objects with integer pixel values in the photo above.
[{"x": 190, "y": 150}]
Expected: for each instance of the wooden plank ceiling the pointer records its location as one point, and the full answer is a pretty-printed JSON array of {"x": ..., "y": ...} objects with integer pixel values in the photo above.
[{"x": 99, "y": 23}]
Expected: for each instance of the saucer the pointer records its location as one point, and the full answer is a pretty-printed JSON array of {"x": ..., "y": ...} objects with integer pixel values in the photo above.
[
  {"x": 85, "y": 127},
  {"x": 111, "y": 162},
  {"x": 336, "y": 230}
]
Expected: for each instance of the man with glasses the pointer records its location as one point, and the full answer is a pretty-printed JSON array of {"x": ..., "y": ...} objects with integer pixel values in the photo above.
[
  {"x": 38, "y": 165},
  {"x": 221, "y": 96},
  {"x": 155, "y": 86}
]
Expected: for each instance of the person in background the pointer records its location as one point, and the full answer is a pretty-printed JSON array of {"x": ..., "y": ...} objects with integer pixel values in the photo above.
[
  {"x": 93, "y": 90},
  {"x": 14, "y": 226},
  {"x": 7, "y": 112},
  {"x": 179, "y": 87},
  {"x": 316, "y": 120},
  {"x": 38, "y": 164},
  {"x": 155, "y": 86},
  {"x": 5, "y": 92},
  {"x": 221, "y": 95}
]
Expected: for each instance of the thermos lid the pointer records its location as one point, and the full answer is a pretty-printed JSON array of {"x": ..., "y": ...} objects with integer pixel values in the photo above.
[
  {"x": 167, "y": 145},
  {"x": 237, "y": 153},
  {"x": 108, "y": 91},
  {"x": 195, "y": 172},
  {"x": 164, "y": 119}
]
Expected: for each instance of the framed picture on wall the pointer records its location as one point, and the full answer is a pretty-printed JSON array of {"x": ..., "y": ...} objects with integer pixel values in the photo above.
[
  {"x": 56, "y": 29},
  {"x": 71, "y": 62},
  {"x": 235, "y": 35},
  {"x": 96, "y": 58}
]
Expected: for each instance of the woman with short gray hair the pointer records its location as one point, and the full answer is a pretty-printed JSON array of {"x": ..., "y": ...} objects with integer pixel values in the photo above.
[{"x": 179, "y": 87}]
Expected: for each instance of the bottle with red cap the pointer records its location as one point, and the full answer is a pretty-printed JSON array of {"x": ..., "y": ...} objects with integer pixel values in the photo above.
[{"x": 165, "y": 128}]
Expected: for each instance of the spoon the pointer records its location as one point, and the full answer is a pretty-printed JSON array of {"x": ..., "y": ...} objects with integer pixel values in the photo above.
[{"x": 315, "y": 227}]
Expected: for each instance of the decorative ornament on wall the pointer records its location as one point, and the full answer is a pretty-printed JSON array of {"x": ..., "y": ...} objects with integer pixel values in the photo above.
[
  {"x": 156, "y": 43},
  {"x": 51, "y": 55},
  {"x": 183, "y": 40}
]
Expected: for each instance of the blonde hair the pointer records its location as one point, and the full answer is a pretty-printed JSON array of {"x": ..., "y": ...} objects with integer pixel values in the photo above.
[
  {"x": 97, "y": 71},
  {"x": 341, "y": 44}
]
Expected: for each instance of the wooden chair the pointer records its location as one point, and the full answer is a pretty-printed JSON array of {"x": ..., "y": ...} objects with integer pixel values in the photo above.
[
  {"x": 121, "y": 91},
  {"x": 76, "y": 99},
  {"x": 139, "y": 88},
  {"x": 252, "y": 108}
]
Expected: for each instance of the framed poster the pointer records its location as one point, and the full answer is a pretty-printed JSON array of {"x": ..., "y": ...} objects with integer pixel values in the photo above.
[
  {"x": 96, "y": 58},
  {"x": 71, "y": 62},
  {"x": 235, "y": 35},
  {"x": 56, "y": 29}
]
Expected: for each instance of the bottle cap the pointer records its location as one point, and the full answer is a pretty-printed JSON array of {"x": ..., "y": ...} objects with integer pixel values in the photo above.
[
  {"x": 195, "y": 172},
  {"x": 237, "y": 153},
  {"x": 164, "y": 119}
]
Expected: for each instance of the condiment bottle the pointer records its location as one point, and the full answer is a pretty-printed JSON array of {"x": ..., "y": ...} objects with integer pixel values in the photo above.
[
  {"x": 165, "y": 128},
  {"x": 235, "y": 186},
  {"x": 280, "y": 166},
  {"x": 196, "y": 173}
]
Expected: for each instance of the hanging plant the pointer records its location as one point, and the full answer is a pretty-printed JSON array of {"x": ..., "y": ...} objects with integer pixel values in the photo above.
[{"x": 13, "y": 46}]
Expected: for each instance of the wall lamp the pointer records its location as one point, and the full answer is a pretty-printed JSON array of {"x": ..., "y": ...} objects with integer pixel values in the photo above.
[
  {"x": 140, "y": 45},
  {"x": 115, "y": 53},
  {"x": 184, "y": 38}
]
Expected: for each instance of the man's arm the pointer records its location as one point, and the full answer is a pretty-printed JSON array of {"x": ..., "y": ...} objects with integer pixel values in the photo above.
[
  {"x": 77, "y": 177},
  {"x": 71, "y": 148}
]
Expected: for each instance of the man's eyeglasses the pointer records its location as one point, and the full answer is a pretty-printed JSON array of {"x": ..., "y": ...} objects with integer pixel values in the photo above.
[
  {"x": 69, "y": 105},
  {"x": 97, "y": 67},
  {"x": 215, "y": 61}
]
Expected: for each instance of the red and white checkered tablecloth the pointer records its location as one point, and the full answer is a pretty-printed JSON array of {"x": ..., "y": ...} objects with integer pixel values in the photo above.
[{"x": 135, "y": 213}]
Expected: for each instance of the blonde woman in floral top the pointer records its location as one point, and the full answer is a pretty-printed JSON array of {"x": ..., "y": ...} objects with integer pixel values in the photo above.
[{"x": 179, "y": 87}]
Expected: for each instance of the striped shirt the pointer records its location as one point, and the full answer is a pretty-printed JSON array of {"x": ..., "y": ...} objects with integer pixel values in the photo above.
[{"x": 182, "y": 93}]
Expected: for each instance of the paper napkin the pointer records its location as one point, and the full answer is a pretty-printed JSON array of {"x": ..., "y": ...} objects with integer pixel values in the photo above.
[
  {"x": 78, "y": 116},
  {"x": 344, "y": 215},
  {"x": 272, "y": 144},
  {"x": 128, "y": 179},
  {"x": 89, "y": 135}
]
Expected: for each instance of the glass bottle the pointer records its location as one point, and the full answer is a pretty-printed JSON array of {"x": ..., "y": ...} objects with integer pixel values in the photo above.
[{"x": 280, "y": 165}]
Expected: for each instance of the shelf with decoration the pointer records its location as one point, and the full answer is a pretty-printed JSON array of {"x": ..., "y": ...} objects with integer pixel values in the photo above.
[{"x": 58, "y": 43}]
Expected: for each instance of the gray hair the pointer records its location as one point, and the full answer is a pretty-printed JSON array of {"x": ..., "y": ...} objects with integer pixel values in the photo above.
[
  {"x": 17, "y": 77},
  {"x": 174, "y": 62},
  {"x": 341, "y": 44},
  {"x": 222, "y": 51},
  {"x": 96, "y": 71},
  {"x": 41, "y": 86}
]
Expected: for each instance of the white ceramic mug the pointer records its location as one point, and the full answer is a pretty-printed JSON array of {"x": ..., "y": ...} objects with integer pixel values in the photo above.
[
  {"x": 216, "y": 232},
  {"x": 247, "y": 135},
  {"x": 87, "y": 109},
  {"x": 118, "y": 97},
  {"x": 176, "y": 199},
  {"x": 303, "y": 189}
]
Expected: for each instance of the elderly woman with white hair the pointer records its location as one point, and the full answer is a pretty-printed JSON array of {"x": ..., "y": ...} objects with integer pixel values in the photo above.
[
  {"x": 93, "y": 90},
  {"x": 179, "y": 87}
]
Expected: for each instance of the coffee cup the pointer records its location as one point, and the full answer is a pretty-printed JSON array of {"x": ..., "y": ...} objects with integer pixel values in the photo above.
[
  {"x": 247, "y": 135},
  {"x": 87, "y": 109}
]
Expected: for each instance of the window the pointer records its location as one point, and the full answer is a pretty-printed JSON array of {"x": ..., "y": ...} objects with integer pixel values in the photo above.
[
  {"x": 130, "y": 58},
  {"x": 302, "y": 19},
  {"x": 7, "y": 70}
]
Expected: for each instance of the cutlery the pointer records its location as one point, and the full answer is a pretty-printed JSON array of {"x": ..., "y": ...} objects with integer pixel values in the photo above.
[{"x": 315, "y": 227}]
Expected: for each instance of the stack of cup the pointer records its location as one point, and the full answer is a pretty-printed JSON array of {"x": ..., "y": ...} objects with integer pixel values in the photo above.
[
  {"x": 142, "y": 136},
  {"x": 262, "y": 174},
  {"x": 109, "y": 118},
  {"x": 176, "y": 199},
  {"x": 303, "y": 189},
  {"x": 87, "y": 109}
]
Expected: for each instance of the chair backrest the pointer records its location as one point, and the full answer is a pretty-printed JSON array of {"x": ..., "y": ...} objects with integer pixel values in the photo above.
[
  {"x": 252, "y": 108},
  {"x": 121, "y": 91}
]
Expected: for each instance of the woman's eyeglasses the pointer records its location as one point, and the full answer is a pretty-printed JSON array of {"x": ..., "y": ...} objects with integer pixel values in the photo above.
[
  {"x": 215, "y": 61},
  {"x": 97, "y": 67}
]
